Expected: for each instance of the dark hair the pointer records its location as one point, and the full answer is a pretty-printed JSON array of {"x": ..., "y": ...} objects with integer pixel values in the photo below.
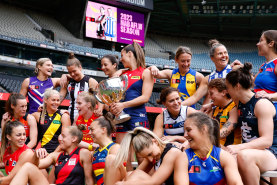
[
  {"x": 181, "y": 50},
  {"x": 105, "y": 122},
  {"x": 7, "y": 130},
  {"x": 213, "y": 44},
  {"x": 112, "y": 58},
  {"x": 72, "y": 60},
  {"x": 138, "y": 53},
  {"x": 271, "y": 35},
  {"x": 200, "y": 119},
  {"x": 242, "y": 76},
  {"x": 165, "y": 92},
  {"x": 13, "y": 101},
  {"x": 219, "y": 84}
]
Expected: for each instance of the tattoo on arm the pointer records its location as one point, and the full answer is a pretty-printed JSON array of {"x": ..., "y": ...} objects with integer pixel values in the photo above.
[{"x": 224, "y": 132}]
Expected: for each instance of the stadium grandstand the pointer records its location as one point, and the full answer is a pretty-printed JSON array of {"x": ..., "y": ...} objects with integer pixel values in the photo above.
[{"x": 33, "y": 29}]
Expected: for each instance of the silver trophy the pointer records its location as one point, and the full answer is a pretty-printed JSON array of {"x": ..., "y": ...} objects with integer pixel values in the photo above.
[{"x": 111, "y": 91}]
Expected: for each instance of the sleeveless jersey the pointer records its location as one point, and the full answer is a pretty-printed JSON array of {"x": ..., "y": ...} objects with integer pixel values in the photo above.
[
  {"x": 49, "y": 131},
  {"x": 185, "y": 83},
  {"x": 170, "y": 180},
  {"x": 23, "y": 120},
  {"x": 220, "y": 74},
  {"x": 174, "y": 126},
  {"x": 69, "y": 170},
  {"x": 36, "y": 91},
  {"x": 138, "y": 113},
  {"x": 208, "y": 171},
  {"x": 98, "y": 163},
  {"x": 249, "y": 122},
  {"x": 267, "y": 80},
  {"x": 10, "y": 160},
  {"x": 80, "y": 120},
  {"x": 74, "y": 88},
  {"x": 222, "y": 115}
]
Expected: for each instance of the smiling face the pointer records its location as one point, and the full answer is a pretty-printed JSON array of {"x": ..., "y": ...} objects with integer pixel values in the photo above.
[
  {"x": 184, "y": 61},
  {"x": 82, "y": 106},
  {"x": 217, "y": 97},
  {"x": 66, "y": 139},
  {"x": 53, "y": 102},
  {"x": 75, "y": 72},
  {"x": 96, "y": 131},
  {"x": 193, "y": 134},
  {"x": 20, "y": 108},
  {"x": 107, "y": 67},
  {"x": 262, "y": 46},
  {"x": 152, "y": 153},
  {"x": 220, "y": 57},
  {"x": 173, "y": 103},
  {"x": 46, "y": 68},
  {"x": 18, "y": 137},
  {"x": 125, "y": 58}
]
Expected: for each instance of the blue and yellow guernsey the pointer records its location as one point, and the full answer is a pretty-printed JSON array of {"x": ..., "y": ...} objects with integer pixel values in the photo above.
[
  {"x": 206, "y": 171},
  {"x": 50, "y": 130},
  {"x": 185, "y": 83}
]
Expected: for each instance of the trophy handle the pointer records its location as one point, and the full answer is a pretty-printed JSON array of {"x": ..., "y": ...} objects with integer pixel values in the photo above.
[
  {"x": 124, "y": 78},
  {"x": 98, "y": 99}
]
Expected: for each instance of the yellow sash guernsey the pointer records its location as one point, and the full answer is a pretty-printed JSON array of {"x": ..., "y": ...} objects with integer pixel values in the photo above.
[
  {"x": 185, "y": 83},
  {"x": 53, "y": 128},
  {"x": 222, "y": 115}
]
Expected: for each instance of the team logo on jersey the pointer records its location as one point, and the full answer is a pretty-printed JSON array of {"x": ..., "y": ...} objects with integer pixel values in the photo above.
[
  {"x": 135, "y": 77},
  {"x": 72, "y": 162},
  {"x": 195, "y": 169},
  {"x": 14, "y": 163},
  {"x": 33, "y": 87}
]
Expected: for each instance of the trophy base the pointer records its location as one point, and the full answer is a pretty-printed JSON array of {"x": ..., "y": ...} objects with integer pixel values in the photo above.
[{"x": 121, "y": 118}]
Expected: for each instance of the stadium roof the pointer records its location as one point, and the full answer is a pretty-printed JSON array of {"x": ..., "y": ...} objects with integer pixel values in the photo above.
[{"x": 235, "y": 19}]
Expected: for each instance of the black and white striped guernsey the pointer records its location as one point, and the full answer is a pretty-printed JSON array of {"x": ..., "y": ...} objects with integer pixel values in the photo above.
[
  {"x": 74, "y": 88},
  {"x": 174, "y": 126}
]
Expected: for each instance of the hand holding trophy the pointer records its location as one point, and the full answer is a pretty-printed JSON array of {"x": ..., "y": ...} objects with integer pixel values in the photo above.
[{"x": 111, "y": 91}]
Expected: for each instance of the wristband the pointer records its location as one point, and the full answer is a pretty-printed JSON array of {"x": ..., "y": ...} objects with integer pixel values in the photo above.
[{"x": 90, "y": 147}]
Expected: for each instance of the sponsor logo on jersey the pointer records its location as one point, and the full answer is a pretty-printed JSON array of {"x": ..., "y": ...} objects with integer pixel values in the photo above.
[
  {"x": 269, "y": 69},
  {"x": 72, "y": 162},
  {"x": 215, "y": 169},
  {"x": 195, "y": 169},
  {"x": 56, "y": 122},
  {"x": 33, "y": 87},
  {"x": 175, "y": 81},
  {"x": 190, "y": 82},
  {"x": 135, "y": 77}
]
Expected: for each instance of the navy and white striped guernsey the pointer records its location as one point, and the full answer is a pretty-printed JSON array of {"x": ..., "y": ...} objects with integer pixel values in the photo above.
[
  {"x": 174, "y": 126},
  {"x": 74, "y": 88},
  {"x": 220, "y": 74}
]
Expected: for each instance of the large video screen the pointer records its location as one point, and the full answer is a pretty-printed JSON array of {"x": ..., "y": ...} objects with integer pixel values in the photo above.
[{"x": 114, "y": 24}]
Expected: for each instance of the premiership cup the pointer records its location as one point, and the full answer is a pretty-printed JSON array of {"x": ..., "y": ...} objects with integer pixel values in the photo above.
[{"x": 111, "y": 91}]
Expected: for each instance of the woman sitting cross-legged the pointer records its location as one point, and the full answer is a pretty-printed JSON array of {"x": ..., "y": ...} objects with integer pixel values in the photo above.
[
  {"x": 72, "y": 166},
  {"x": 169, "y": 162},
  {"x": 207, "y": 163}
]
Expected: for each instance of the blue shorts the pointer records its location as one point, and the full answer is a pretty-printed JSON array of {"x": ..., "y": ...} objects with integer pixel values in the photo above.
[
  {"x": 125, "y": 127},
  {"x": 273, "y": 149}
]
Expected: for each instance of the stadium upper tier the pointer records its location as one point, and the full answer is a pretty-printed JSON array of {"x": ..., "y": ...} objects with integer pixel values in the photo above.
[{"x": 18, "y": 23}]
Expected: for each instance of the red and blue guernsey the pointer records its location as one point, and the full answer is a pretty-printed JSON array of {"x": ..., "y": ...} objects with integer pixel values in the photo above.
[
  {"x": 69, "y": 170},
  {"x": 267, "y": 78},
  {"x": 134, "y": 90},
  {"x": 98, "y": 163},
  {"x": 10, "y": 159},
  {"x": 206, "y": 171},
  {"x": 36, "y": 91}
]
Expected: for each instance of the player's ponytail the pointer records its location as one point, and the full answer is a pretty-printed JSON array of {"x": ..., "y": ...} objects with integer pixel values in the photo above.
[{"x": 138, "y": 52}]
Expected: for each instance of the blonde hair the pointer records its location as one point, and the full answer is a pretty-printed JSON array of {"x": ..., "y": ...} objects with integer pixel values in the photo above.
[
  {"x": 89, "y": 98},
  {"x": 139, "y": 138},
  {"x": 75, "y": 131},
  {"x": 40, "y": 62},
  {"x": 47, "y": 94}
]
